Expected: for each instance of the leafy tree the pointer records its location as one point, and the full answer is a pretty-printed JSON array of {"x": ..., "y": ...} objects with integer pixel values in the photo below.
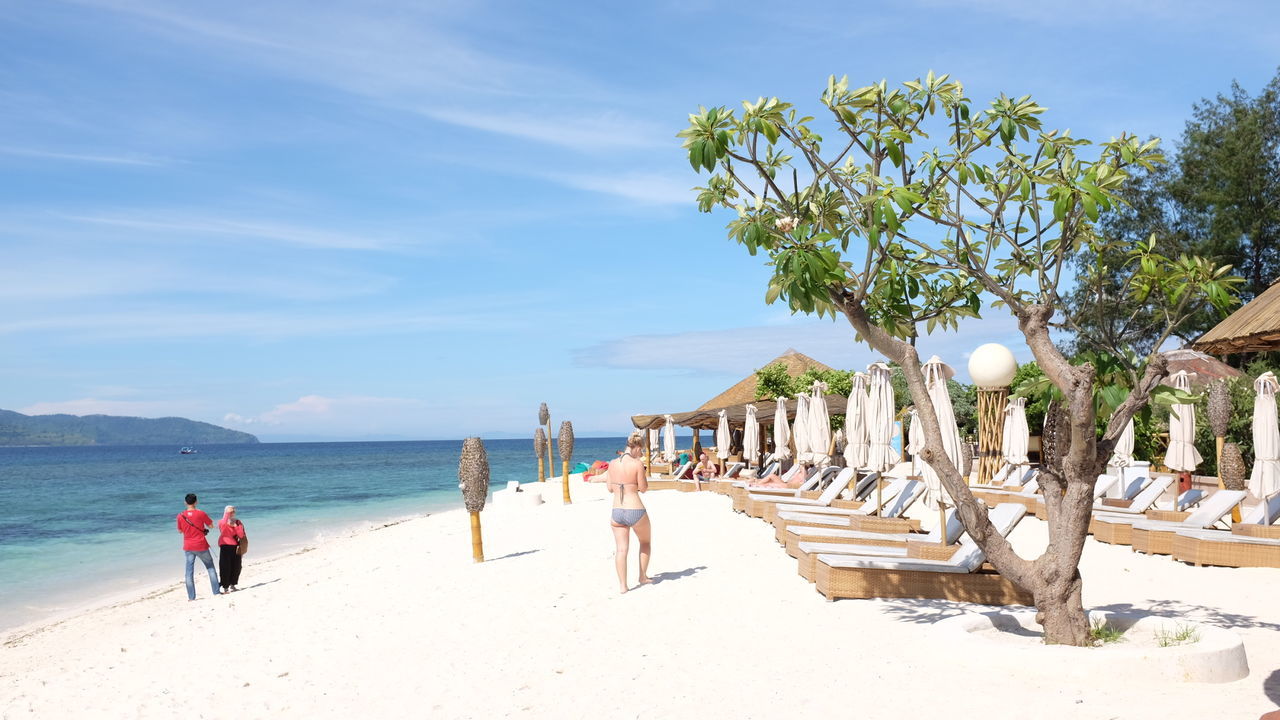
[
  {"x": 1219, "y": 198},
  {"x": 895, "y": 238}
]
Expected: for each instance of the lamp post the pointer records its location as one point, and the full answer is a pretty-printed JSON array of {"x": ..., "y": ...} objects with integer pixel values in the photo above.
[{"x": 991, "y": 367}]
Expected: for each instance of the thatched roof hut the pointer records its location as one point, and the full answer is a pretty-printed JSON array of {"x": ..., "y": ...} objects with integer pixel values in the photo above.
[
  {"x": 736, "y": 398},
  {"x": 744, "y": 391},
  {"x": 1253, "y": 328}
]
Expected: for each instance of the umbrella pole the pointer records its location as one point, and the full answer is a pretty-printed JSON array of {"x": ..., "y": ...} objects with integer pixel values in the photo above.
[
  {"x": 942, "y": 524},
  {"x": 477, "y": 545}
]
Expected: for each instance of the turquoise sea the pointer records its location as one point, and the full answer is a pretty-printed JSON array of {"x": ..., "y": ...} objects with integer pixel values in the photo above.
[{"x": 85, "y": 523}]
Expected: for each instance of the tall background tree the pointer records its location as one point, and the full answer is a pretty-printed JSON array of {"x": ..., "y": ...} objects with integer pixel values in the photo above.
[
  {"x": 1218, "y": 198},
  {"x": 922, "y": 210}
]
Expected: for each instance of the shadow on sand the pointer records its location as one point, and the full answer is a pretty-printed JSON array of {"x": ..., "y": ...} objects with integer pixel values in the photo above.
[
  {"x": 515, "y": 554},
  {"x": 676, "y": 574}
]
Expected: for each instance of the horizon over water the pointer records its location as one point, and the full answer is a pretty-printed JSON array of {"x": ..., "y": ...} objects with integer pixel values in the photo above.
[{"x": 82, "y": 524}]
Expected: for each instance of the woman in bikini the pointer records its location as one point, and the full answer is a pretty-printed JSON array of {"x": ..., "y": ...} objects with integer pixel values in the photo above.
[{"x": 627, "y": 479}]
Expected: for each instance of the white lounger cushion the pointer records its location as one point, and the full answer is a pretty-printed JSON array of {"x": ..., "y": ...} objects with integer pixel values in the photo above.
[
  {"x": 1224, "y": 536},
  {"x": 967, "y": 558},
  {"x": 846, "y": 549},
  {"x": 788, "y": 476},
  {"x": 888, "y": 493},
  {"x": 1208, "y": 513},
  {"x": 1143, "y": 501},
  {"x": 833, "y": 490}
]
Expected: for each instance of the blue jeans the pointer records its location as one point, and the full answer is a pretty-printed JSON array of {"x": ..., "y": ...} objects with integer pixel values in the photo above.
[{"x": 207, "y": 559}]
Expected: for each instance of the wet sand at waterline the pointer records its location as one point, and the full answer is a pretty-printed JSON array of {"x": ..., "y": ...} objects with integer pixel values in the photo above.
[{"x": 398, "y": 621}]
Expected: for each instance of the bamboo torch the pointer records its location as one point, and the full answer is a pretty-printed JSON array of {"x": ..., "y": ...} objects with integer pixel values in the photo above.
[
  {"x": 1219, "y": 418},
  {"x": 539, "y": 449},
  {"x": 473, "y": 477},
  {"x": 566, "y": 453},
  {"x": 544, "y": 419}
]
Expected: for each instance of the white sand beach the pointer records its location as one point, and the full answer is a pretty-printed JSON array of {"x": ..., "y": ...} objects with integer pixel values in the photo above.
[{"x": 399, "y": 622}]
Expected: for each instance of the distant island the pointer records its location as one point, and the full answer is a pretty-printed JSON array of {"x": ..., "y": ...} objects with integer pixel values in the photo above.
[{"x": 17, "y": 429}]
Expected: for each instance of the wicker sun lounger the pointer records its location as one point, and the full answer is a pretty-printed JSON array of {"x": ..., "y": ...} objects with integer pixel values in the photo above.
[
  {"x": 1253, "y": 542},
  {"x": 1100, "y": 488},
  {"x": 963, "y": 577},
  {"x": 1156, "y": 536},
  {"x": 1027, "y": 497},
  {"x": 898, "y": 496},
  {"x": 794, "y": 535},
  {"x": 669, "y": 483},
  {"x": 760, "y": 504},
  {"x": 726, "y": 485},
  {"x": 821, "y": 483},
  {"x": 1009, "y": 477},
  {"x": 740, "y": 493},
  {"x": 1004, "y": 517},
  {"x": 1135, "y": 510}
]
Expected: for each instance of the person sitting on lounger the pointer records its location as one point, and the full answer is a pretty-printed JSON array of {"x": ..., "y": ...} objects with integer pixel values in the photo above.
[
  {"x": 705, "y": 469},
  {"x": 775, "y": 480}
]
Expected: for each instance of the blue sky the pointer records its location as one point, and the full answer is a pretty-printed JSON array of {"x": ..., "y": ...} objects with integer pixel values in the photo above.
[{"x": 405, "y": 219}]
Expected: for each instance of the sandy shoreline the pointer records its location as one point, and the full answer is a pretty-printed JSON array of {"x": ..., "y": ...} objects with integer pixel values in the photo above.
[{"x": 397, "y": 619}]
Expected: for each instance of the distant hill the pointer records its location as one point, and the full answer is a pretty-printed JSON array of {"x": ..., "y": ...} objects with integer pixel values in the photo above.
[{"x": 19, "y": 429}]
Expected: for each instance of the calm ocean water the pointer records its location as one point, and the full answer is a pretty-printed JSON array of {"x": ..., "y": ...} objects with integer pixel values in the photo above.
[{"x": 81, "y": 523}]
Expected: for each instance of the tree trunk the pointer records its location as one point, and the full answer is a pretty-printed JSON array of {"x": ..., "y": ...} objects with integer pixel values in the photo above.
[
  {"x": 1060, "y": 610},
  {"x": 1054, "y": 578}
]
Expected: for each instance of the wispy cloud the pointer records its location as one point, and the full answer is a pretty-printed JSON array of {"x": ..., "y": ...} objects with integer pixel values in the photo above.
[
  {"x": 301, "y": 236},
  {"x": 595, "y": 133},
  {"x": 407, "y": 56},
  {"x": 643, "y": 188},
  {"x": 739, "y": 351},
  {"x": 351, "y": 414},
  {"x": 96, "y": 406},
  {"x": 103, "y": 159}
]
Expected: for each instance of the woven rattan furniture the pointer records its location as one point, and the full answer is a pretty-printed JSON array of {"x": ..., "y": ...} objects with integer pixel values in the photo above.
[
  {"x": 740, "y": 494},
  {"x": 1227, "y": 549},
  {"x": 899, "y": 496},
  {"x": 1137, "y": 508},
  {"x": 837, "y": 480},
  {"x": 1156, "y": 536},
  {"x": 964, "y": 577}
]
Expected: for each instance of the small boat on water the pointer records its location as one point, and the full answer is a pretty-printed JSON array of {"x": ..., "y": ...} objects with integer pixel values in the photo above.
[{"x": 187, "y": 451}]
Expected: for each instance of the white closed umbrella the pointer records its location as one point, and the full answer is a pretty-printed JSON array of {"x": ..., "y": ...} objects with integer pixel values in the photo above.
[
  {"x": 1182, "y": 455},
  {"x": 915, "y": 441},
  {"x": 722, "y": 438},
  {"x": 751, "y": 437},
  {"x": 819, "y": 426},
  {"x": 653, "y": 439},
  {"x": 936, "y": 374},
  {"x": 880, "y": 453},
  {"x": 1265, "y": 478},
  {"x": 1014, "y": 444},
  {"x": 781, "y": 432},
  {"x": 800, "y": 430},
  {"x": 857, "y": 440},
  {"x": 1122, "y": 456},
  {"x": 669, "y": 440}
]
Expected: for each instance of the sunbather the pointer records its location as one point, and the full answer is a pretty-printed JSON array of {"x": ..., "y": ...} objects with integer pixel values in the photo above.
[
  {"x": 705, "y": 469},
  {"x": 775, "y": 480}
]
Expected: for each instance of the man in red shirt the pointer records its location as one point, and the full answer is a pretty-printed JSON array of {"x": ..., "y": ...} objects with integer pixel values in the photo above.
[{"x": 193, "y": 524}]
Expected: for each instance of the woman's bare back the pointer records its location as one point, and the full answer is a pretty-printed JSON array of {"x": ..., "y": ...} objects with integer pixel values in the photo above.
[{"x": 627, "y": 479}]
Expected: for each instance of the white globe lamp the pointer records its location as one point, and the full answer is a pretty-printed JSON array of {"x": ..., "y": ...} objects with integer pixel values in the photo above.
[{"x": 992, "y": 366}]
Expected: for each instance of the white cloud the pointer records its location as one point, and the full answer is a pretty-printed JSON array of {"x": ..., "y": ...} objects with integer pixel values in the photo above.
[
  {"x": 644, "y": 188},
  {"x": 353, "y": 414},
  {"x": 739, "y": 351},
  {"x": 95, "y": 158},
  {"x": 95, "y": 406},
  {"x": 298, "y": 235},
  {"x": 596, "y": 132}
]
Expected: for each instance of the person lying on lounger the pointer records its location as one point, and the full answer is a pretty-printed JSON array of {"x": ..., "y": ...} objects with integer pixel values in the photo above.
[
  {"x": 705, "y": 469},
  {"x": 775, "y": 480}
]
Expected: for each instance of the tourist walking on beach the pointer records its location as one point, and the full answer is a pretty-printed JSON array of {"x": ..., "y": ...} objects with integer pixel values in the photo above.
[
  {"x": 627, "y": 479},
  {"x": 193, "y": 524},
  {"x": 231, "y": 535}
]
